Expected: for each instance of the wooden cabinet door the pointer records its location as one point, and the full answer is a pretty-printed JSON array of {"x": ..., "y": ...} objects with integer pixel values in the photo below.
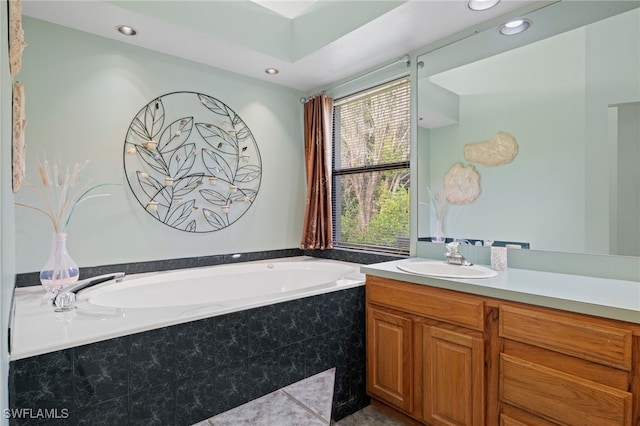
[
  {"x": 389, "y": 359},
  {"x": 453, "y": 377}
]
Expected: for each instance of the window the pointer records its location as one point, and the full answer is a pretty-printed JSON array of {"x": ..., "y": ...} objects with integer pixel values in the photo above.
[{"x": 371, "y": 133}]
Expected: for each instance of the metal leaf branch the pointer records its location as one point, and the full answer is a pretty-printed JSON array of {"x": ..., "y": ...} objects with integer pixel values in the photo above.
[{"x": 199, "y": 181}]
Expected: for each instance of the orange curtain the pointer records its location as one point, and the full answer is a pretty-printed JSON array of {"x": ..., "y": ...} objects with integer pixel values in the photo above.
[{"x": 318, "y": 123}]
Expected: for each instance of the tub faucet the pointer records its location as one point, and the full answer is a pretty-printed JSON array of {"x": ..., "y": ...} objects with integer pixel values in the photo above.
[
  {"x": 454, "y": 257},
  {"x": 66, "y": 298}
]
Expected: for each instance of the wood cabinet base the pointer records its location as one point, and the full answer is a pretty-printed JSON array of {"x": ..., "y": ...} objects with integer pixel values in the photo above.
[{"x": 438, "y": 357}]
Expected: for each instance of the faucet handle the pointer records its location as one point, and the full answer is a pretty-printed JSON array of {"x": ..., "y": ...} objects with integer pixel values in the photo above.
[
  {"x": 65, "y": 299},
  {"x": 452, "y": 247},
  {"x": 65, "y": 302}
]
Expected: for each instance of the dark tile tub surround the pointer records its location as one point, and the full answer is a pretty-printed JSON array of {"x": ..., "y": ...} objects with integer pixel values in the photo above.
[
  {"x": 183, "y": 374},
  {"x": 354, "y": 256},
  {"x": 33, "y": 278}
]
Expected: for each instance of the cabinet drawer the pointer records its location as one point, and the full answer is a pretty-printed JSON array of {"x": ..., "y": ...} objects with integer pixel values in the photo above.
[
  {"x": 444, "y": 305},
  {"x": 561, "y": 397},
  {"x": 582, "y": 338}
]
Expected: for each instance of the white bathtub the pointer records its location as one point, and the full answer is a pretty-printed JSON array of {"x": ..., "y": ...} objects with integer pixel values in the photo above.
[
  {"x": 148, "y": 301},
  {"x": 225, "y": 284}
]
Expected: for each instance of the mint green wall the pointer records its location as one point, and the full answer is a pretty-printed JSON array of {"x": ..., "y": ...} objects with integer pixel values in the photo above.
[
  {"x": 544, "y": 183},
  {"x": 257, "y": 28},
  {"x": 246, "y": 23},
  {"x": 7, "y": 238},
  {"x": 82, "y": 92},
  {"x": 326, "y": 21},
  {"x": 608, "y": 85},
  {"x": 558, "y": 114},
  {"x": 627, "y": 232}
]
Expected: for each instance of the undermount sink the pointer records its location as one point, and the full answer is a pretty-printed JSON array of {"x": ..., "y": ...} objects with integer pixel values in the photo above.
[{"x": 441, "y": 269}]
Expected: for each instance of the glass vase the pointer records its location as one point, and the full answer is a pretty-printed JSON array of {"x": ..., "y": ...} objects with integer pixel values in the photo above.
[
  {"x": 60, "y": 269},
  {"x": 438, "y": 235}
]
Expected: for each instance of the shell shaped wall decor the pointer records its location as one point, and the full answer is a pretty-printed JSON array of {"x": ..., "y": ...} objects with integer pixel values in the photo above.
[
  {"x": 462, "y": 184},
  {"x": 192, "y": 162},
  {"x": 18, "y": 146},
  {"x": 16, "y": 37},
  {"x": 500, "y": 149}
]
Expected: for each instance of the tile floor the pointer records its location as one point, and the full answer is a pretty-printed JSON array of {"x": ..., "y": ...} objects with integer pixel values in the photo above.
[
  {"x": 369, "y": 416},
  {"x": 305, "y": 403}
]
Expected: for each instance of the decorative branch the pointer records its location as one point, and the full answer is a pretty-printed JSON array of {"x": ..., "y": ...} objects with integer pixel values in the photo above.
[{"x": 61, "y": 192}]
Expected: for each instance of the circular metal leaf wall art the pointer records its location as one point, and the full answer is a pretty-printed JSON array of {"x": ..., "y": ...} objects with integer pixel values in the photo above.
[{"x": 192, "y": 162}]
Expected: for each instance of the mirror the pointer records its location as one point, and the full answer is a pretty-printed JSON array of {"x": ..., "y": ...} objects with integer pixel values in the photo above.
[{"x": 567, "y": 91}]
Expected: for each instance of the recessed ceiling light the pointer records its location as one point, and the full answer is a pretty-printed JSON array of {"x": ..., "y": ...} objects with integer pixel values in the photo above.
[
  {"x": 515, "y": 26},
  {"x": 126, "y": 30},
  {"x": 481, "y": 4},
  {"x": 271, "y": 71}
]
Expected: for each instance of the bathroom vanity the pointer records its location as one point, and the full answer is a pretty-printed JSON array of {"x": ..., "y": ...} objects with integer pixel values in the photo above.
[{"x": 524, "y": 348}]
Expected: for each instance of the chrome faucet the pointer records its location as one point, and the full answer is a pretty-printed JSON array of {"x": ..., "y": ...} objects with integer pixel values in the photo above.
[
  {"x": 454, "y": 257},
  {"x": 66, "y": 298}
]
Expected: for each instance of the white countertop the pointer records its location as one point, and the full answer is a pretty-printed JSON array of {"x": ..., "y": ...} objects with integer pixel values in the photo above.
[{"x": 614, "y": 299}]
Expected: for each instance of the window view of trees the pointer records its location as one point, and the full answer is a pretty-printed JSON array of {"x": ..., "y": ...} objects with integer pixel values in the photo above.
[{"x": 371, "y": 168}]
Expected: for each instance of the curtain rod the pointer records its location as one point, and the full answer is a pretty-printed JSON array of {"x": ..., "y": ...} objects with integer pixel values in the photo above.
[{"x": 406, "y": 59}]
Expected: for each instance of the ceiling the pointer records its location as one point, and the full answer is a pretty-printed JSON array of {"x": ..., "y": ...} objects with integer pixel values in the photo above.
[{"x": 313, "y": 43}]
